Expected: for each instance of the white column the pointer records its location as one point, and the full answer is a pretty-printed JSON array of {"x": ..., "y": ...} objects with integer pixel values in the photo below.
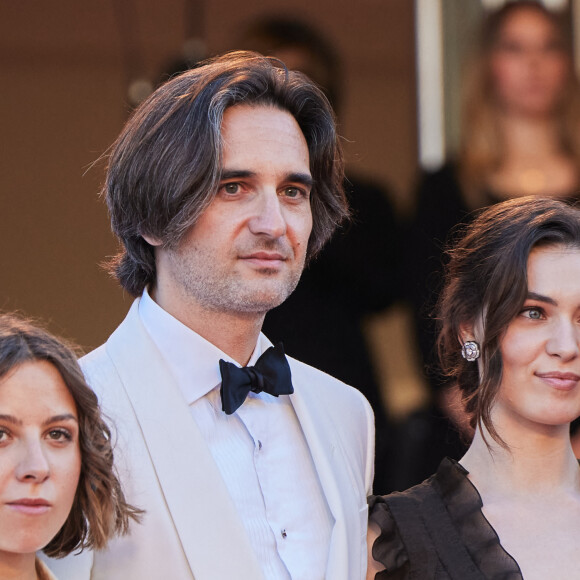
[{"x": 429, "y": 38}]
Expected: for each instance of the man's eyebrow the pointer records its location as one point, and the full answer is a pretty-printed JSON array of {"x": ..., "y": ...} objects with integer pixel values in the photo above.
[
  {"x": 304, "y": 178},
  {"x": 236, "y": 174},
  {"x": 541, "y": 298},
  {"x": 10, "y": 419}
]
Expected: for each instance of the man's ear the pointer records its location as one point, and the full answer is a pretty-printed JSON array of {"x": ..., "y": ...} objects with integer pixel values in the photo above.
[{"x": 151, "y": 240}]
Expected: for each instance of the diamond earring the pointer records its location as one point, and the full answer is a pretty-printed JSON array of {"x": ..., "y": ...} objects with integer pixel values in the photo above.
[{"x": 470, "y": 351}]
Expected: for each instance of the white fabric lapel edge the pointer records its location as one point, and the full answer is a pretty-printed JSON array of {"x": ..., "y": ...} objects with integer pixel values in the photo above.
[
  {"x": 196, "y": 495},
  {"x": 319, "y": 431}
]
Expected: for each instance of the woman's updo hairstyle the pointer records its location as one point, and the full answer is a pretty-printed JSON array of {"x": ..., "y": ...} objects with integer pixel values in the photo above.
[{"x": 486, "y": 286}]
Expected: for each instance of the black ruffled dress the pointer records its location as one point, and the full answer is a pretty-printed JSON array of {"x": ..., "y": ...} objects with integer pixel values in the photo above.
[{"x": 436, "y": 530}]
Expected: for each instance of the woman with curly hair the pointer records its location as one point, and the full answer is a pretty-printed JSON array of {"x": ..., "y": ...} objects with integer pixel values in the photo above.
[
  {"x": 58, "y": 490},
  {"x": 510, "y": 340}
]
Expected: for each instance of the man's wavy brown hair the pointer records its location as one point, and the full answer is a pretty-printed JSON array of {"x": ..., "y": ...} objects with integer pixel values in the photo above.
[
  {"x": 164, "y": 169},
  {"x": 99, "y": 509}
]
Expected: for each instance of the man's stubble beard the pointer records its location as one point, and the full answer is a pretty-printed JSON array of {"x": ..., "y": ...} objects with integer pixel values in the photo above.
[{"x": 221, "y": 291}]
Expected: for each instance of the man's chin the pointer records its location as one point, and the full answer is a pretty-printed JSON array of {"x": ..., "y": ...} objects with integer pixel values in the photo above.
[{"x": 261, "y": 300}]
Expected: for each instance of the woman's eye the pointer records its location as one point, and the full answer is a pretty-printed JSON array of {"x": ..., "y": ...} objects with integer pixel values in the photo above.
[
  {"x": 510, "y": 47},
  {"x": 553, "y": 46},
  {"x": 533, "y": 313},
  {"x": 59, "y": 435},
  {"x": 5, "y": 436}
]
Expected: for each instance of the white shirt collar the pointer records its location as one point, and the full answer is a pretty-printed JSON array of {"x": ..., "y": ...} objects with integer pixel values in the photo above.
[{"x": 193, "y": 360}]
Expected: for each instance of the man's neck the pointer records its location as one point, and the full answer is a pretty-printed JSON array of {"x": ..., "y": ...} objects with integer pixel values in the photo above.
[{"x": 235, "y": 334}]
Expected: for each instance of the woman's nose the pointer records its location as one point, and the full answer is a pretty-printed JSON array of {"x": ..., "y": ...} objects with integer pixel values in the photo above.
[
  {"x": 33, "y": 465},
  {"x": 565, "y": 341}
]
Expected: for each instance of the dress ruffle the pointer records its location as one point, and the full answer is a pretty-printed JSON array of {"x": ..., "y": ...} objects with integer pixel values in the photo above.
[
  {"x": 388, "y": 548},
  {"x": 463, "y": 503},
  {"x": 462, "y": 506}
]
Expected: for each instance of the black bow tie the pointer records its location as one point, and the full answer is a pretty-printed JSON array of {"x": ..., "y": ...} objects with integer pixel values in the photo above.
[{"x": 270, "y": 374}]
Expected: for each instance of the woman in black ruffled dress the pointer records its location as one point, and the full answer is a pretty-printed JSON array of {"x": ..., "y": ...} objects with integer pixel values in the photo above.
[{"x": 510, "y": 338}]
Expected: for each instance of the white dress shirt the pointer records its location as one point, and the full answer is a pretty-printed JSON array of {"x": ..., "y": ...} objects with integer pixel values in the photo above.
[{"x": 260, "y": 451}]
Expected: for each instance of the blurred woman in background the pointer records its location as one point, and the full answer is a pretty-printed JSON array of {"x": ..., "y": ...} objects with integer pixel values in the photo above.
[{"x": 520, "y": 135}]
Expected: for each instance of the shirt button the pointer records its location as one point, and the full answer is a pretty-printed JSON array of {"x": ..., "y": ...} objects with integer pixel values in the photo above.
[
  {"x": 283, "y": 533},
  {"x": 259, "y": 445}
]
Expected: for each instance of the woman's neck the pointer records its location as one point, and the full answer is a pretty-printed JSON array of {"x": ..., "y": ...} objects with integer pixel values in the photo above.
[
  {"x": 535, "y": 462},
  {"x": 530, "y": 138},
  {"x": 17, "y": 566},
  {"x": 533, "y": 161}
]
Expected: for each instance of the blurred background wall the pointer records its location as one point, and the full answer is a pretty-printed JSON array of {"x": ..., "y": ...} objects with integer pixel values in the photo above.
[{"x": 65, "y": 70}]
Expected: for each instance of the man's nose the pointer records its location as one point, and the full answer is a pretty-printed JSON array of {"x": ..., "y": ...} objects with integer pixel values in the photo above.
[{"x": 268, "y": 218}]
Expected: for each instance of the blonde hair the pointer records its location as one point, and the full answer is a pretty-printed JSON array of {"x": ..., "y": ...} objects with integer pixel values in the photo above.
[{"x": 481, "y": 148}]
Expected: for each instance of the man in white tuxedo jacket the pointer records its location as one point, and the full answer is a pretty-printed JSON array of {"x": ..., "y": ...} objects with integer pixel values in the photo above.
[{"x": 248, "y": 464}]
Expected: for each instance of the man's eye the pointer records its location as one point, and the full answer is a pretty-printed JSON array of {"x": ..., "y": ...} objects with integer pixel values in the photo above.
[
  {"x": 231, "y": 187},
  {"x": 293, "y": 192}
]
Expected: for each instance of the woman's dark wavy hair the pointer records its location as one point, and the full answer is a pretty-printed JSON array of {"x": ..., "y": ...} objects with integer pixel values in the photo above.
[
  {"x": 486, "y": 285},
  {"x": 164, "y": 168},
  {"x": 99, "y": 510}
]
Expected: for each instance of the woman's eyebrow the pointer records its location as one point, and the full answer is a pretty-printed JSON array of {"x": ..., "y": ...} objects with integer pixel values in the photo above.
[
  {"x": 10, "y": 419},
  {"x": 59, "y": 418},
  {"x": 541, "y": 298}
]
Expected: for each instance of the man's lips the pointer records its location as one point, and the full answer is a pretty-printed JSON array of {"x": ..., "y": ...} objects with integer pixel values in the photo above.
[
  {"x": 559, "y": 380},
  {"x": 264, "y": 258},
  {"x": 30, "y": 506}
]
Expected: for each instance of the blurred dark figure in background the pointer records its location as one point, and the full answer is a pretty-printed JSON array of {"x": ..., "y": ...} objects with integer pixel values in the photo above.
[
  {"x": 520, "y": 136},
  {"x": 356, "y": 274},
  {"x": 299, "y": 47}
]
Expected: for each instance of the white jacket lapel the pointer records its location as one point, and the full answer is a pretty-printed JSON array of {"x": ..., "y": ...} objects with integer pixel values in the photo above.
[
  {"x": 324, "y": 447},
  {"x": 200, "y": 505}
]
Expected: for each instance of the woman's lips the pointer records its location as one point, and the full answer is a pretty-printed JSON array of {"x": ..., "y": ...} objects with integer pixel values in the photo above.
[
  {"x": 30, "y": 506},
  {"x": 561, "y": 381}
]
